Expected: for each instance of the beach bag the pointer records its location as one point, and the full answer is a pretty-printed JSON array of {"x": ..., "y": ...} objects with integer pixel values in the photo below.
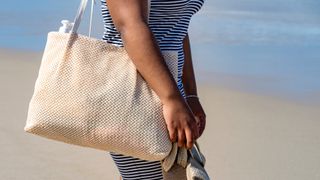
[{"x": 89, "y": 93}]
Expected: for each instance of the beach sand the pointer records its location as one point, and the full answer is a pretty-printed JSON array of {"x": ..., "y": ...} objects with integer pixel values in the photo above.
[{"x": 248, "y": 136}]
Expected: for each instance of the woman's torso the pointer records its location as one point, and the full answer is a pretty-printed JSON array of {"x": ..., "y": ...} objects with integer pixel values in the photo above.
[{"x": 168, "y": 20}]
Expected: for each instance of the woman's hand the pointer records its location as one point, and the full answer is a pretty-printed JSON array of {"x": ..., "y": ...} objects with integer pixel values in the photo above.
[
  {"x": 198, "y": 113},
  {"x": 181, "y": 123}
]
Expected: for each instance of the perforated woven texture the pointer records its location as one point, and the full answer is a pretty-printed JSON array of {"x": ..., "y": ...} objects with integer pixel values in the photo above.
[{"x": 89, "y": 93}]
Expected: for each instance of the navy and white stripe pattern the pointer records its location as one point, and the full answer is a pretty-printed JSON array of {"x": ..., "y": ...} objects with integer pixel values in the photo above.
[
  {"x": 169, "y": 21},
  {"x": 134, "y": 168}
]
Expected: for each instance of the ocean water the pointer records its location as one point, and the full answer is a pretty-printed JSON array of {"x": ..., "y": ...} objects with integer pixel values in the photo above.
[{"x": 267, "y": 47}]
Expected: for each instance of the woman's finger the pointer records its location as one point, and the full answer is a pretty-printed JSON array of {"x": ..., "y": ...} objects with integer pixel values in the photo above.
[
  {"x": 190, "y": 138},
  {"x": 181, "y": 138},
  {"x": 172, "y": 134}
]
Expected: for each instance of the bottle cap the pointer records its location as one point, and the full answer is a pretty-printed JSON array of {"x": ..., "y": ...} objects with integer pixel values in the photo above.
[{"x": 66, "y": 26}]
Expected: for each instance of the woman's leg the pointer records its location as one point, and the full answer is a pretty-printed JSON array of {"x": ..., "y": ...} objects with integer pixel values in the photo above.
[{"x": 134, "y": 168}]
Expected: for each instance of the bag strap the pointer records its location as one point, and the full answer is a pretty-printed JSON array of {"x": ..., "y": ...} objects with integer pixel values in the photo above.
[
  {"x": 77, "y": 20},
  {"x": 81, "y": 10},
  {"x": 93, "y": 2}
]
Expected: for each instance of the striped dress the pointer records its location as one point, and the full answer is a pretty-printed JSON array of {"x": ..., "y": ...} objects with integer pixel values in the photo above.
[{"x": 168, "y": 21}]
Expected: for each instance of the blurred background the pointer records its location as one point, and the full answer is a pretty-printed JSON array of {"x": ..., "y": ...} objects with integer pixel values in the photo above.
[
  {"x": 257, "y": 66},
  {"x": 268, "y": 47}
]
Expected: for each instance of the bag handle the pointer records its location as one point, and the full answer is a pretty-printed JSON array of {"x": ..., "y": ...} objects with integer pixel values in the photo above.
[
  {"x": 81, "y": 10},
  {"x": 78, "y": 17}
]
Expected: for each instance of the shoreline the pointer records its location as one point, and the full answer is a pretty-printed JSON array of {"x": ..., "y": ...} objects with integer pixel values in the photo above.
[{"x": 216, "y": 80}]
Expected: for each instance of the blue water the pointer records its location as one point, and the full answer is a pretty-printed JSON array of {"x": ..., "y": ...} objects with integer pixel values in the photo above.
[{"x": 268, "y": 47}]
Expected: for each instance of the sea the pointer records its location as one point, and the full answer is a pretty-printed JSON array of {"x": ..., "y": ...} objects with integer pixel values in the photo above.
[{"x": 265, "y": 47}]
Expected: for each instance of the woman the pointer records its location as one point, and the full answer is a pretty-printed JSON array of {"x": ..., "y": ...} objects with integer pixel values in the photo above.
[{"x": 125, "y": 21}]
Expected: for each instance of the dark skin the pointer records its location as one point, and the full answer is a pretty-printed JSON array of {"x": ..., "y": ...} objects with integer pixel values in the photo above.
[
  {"x": 190, "y": 86},
  {"x": 129, "y": 17}
]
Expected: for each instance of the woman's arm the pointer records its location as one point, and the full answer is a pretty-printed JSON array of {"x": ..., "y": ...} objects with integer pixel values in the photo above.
[
  {"x": 188, "y": 77},
  {"x": 129, "y": 18},
  {"x": 190, "y": 86}
]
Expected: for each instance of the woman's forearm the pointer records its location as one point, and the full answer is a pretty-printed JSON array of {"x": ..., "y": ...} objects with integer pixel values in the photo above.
[
  {"x": 188, "y": 77},
  {"x": 143, "y": 49},
  {"x": 150, "y": 62}
]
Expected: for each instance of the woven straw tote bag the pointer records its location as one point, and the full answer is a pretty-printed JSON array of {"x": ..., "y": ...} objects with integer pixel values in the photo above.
[{"x": 89, "y": 93}]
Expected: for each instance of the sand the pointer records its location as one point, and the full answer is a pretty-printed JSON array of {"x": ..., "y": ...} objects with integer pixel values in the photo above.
[{"x": 248, "y": 136}]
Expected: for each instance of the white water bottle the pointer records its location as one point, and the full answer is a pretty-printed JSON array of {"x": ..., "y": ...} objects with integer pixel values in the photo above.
[{"x": 66, "y": 26}]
